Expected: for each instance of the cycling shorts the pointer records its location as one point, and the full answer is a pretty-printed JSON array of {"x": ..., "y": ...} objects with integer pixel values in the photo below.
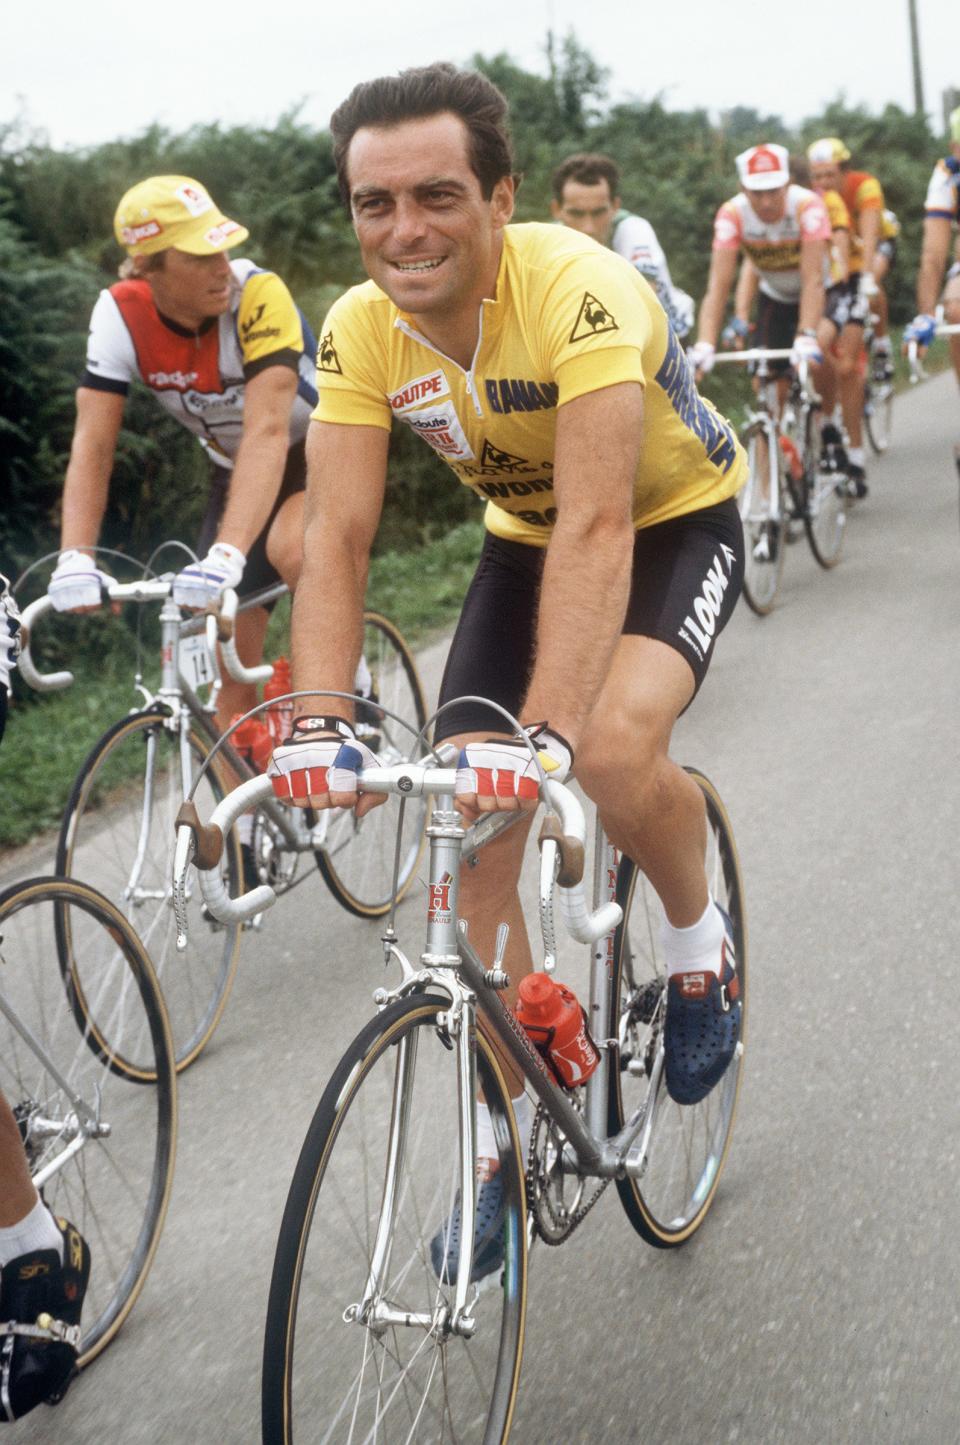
[
  {"x": 258, "y": 571},
  {"x": 844, "y": 304},
  {"x": 687, "y": 576},
  {"x": 777, "y": 323}
]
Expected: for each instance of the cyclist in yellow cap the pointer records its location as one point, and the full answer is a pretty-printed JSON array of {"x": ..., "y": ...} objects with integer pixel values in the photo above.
[
  {"x": 225, "y": 351},
  {"x": 942, "y": 217}
]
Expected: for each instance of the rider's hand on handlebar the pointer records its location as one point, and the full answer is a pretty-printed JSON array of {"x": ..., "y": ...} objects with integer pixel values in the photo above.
[
  {"x": 77, "y": 583},
  {"x": 922, "y": 330},
  {"x": 735, "y": 333},
  {"x": 806, "y": 348},
  {"x": 499, "y": 775},
  {"x": 317, "y": 766},
  {"x": 701, "y": 356},
  {"x": 201, "y": 584}
]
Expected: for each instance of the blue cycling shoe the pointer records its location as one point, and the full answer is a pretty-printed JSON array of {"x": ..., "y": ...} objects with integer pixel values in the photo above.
[
  {"x": 488, "y": 1240},
  {"x": 704, "y": 1014}
]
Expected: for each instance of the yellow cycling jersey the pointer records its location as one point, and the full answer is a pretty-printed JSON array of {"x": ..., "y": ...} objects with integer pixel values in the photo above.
[
  {"x": 569, "y": 317},
  {"x": 839, "y": 221}
]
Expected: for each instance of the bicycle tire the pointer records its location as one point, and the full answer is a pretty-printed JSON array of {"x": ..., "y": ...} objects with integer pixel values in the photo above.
[
  {"x": 761, "y": 574},
  {"x": 824, "y": 503},
  {"x": 116, "y": 1187},
  {"x": 689, "y": 1145},
  {"x": 357, "y": 856},
  {"x": 103, "y": 825},
  {"x": 878, "y": 414},
  {"x": 321, "y": 1265}
]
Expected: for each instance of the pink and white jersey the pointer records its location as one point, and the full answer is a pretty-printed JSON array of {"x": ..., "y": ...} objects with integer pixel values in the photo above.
[{"x": 774, "y": 248}]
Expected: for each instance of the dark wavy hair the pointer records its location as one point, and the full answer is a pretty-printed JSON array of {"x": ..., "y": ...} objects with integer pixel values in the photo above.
[
  {"x": 589, "y": 169},
  {"x": 423, "y": 91}
]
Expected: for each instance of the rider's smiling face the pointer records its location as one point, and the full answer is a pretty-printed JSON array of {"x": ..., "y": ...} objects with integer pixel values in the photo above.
[{"x": 428, "y": 237}]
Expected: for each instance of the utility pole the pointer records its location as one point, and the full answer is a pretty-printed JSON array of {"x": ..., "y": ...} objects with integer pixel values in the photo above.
[{"x": 918, "y": 105}]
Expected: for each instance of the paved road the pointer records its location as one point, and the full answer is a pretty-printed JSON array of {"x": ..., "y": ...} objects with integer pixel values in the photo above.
[{"x": 819, "y": 1303}]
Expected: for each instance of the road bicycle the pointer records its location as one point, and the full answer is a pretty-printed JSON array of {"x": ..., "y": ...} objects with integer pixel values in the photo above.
[
  {"x": 789, "y": 478},
  {"x": 118, "y": 825},
  {"x": 92, "y": 1088},
  {"x": 364, "y": 1337}
]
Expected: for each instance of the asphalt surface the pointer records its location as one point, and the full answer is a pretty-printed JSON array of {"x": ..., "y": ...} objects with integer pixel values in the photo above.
[{"x": 820, "y": 1300}]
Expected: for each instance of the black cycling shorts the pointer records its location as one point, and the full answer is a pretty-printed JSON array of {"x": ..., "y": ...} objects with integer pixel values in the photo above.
[
  {"x": 687, "y": 576},
  {"x": 777, "y": 323},
  {"x": 258, "y": 571},
  {"x": 844, "y": 305}
]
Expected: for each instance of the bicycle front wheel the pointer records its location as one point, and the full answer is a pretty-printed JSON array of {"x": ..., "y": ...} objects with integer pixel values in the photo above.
[
  {"x": 825, "y": 504},
  {"x": 878, "y": 414},
  {"x": 118, "y": 831},
  {"x": 357, "y": 855},
  {"x": 764, "y": 536},
  {"x": 100, "y": 1144},
  {"x": 688, "y": 1145},
  {"x": 357, "y": 1350}
]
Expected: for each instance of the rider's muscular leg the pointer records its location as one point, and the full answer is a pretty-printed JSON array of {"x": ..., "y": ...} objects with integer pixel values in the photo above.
[
  {"x": 651, "y": 809},
  {"x": 251, "y": 629},
  {"x": 851, "y": 382},
  {"x": 951, "y": 314},
  {"x": 285, "y": 540},
  {"x": 17, "y": 1194}
]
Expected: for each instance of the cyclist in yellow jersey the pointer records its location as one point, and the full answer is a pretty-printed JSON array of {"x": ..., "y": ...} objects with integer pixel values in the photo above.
[
  {"x": 542, "y": 369},
  {"x": 863, "y": 196}
]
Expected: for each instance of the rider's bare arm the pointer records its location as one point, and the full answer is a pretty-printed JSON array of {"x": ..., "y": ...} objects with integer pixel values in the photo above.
[
  {"x": 261, "y": 458},
  {"x": 933, "y": 263},
  {"x": 748, "y": 283},
  {"x": 346, "y": 477},
  {"x": 586, "y": 578},
  {"x": 87, "y": 483},
  {"x": 869, "y": 227},
  {"x": 812, "y": 265},
  {"x": 723, "y": 267}
]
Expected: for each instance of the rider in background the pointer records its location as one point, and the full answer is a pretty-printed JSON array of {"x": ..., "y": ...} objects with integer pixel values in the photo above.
[
  {"x": 586, "y": 197},
  {"x": 942, "y": 216},
  {"x": 44, "y": 1261},
  {"x": 224, "y": 351},
  {"x": 863, "y": 197},
  {"x": 784, "y": 230}
]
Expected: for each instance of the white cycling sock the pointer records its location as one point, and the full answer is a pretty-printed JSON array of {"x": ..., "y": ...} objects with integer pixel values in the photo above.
[
  {"x": 245, "y": 828},
  {"x": 37, "y": 1230},
  {"x": 700, "y": 946},
  {"x": 882, "y": 344},
  {"x": 855, "y": 455},
  {"x": 486, "y": 1140}
]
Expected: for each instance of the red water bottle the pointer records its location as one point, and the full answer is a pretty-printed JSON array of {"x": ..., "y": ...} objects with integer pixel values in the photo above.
[
  {"x": 253, "y": 741},
  {"x": 793, "y": 458},
  {"x": 280, "y": 716},
  {"x": 557, "y": 1026}
]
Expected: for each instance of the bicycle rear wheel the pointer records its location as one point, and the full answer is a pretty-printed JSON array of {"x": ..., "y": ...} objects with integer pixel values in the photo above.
[
  {"x": 357, "y": 855},
  {"x": 689, "y": 1143},
  {"x": 764, "y": 536},
  {"x": 100, "y": 1143},
  {"x": 825, "y": 503},
  {"x": 118, "y": 831},
  {"x": 878, "y": 414},
  {"x": 332, "y": 1374}
]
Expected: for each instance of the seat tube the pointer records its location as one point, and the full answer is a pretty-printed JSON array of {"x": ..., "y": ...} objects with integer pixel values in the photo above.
[{"x": 605, "y": 863}]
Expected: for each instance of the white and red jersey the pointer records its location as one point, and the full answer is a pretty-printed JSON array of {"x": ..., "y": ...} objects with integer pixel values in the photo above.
[
  {"x": 199, "y": 377},
  {"x": 943, "y": 192},
  {"x": 774, "y": 248},
  {"x": 636, "y": 240}
]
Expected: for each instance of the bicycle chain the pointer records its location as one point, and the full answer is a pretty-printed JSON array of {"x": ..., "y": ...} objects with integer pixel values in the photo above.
[{"x": 561, "y": 1228}]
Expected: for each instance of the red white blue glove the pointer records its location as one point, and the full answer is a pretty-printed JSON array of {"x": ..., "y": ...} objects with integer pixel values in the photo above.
[
  {"x": 77, "y": 581},
  {"x": 701, "y": 356},
  {"x": 319, "y": 764},
  {"x": 201, "y": 584},
  {"x": 805, "y": 348},
  {"x": 500, "y": 774},
  {"x": 922, "y": 330}
]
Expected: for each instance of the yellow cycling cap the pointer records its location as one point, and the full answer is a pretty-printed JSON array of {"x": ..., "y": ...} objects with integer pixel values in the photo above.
[
  {"x": 955, "y": 125},
  {"x": 829, "y": 151},
  {"x": 167, "y": 211}
]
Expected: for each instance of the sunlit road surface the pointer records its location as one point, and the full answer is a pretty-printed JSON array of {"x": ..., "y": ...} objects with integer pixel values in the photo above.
[{"x": 819, "y": 1302}]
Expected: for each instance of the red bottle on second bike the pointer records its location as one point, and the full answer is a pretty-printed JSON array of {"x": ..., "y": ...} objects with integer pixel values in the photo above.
[
  {"x": 279, "y": 718},
  {"x": 557, "y": 1027}
]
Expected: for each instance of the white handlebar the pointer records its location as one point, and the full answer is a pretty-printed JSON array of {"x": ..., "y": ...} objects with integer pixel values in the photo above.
[
  {"x": 757, "y": 353},
  {"x": 39, "y": 681},
  {"x": 228, "y": 645}
]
